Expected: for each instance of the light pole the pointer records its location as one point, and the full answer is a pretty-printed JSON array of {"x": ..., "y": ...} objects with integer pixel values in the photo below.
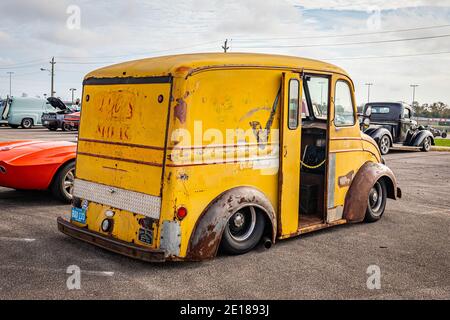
[
  {"x": 414, "y": 86},
  {"x": 73, "y": 90},
  {"x": 10, "y": 83},
  {"x": 52, "y": 73},
  {"x": 368, "y": 91}
]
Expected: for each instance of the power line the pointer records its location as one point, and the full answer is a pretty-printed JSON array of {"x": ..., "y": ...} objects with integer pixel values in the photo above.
[
  {"x": 345, "y": 44},
  {"x": 344, "y": 35},
  {"x": 390, "y": 56},
  {"x": 144, "y": 53}
]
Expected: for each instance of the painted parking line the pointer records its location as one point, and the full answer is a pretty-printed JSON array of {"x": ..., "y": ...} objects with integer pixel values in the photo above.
[{"x": 17, "y": 239}]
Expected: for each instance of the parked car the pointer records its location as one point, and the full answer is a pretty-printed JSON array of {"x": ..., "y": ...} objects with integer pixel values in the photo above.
[
  {"x": 145, "y": 189},
  {"x": 71, "y": 121},
  {"x": 38, "y": 165},
  {"x": 55, "y": 120},
  {"x": 26, "y": 112},
  {"x": 391, "y": 125},
  {"x": 436, "y": 132}
]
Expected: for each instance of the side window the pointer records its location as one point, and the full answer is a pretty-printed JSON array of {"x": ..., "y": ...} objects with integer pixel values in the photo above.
[
  {"x": 294, "y": 95},
  {"x": 317, "y": 88},
  {"x": 406, "y": 114},
  {"x": 344, "y": 114}
]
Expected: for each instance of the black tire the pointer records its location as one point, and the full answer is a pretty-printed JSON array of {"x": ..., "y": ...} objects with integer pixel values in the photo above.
[
  {"x": 66, "y": 127},
  {"x": 384, "y": 144},
  {"x": 376, "y": 204},
  {"x": 59, "y": 188},
  {"x": 444, "y": 135},
  {"x": 14, "y": 126},
  {"x": 241, "y": 239},
  {"x": 426, "y": 144},
  {"x": 27, "y": 123}
]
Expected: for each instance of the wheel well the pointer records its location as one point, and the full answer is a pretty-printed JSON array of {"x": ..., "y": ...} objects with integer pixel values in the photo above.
[
  {"x": 59, "y": 169},
  {"x": 389, "y": 186}
]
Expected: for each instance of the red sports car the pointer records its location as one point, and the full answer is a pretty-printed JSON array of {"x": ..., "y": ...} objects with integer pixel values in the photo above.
[
  {"x": 38, "y": 165},
  {"x": 71, "y": 121}
]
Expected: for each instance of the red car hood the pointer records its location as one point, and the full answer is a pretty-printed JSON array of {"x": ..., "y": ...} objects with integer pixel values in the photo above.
[{"x": 30, "y": 152}]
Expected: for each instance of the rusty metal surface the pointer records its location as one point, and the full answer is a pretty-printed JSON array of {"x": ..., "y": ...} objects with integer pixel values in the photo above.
[
  {"x": 357, "y": 197},
  {"x": 117, "y": 246},
  {"x": 205, "y": 239}
]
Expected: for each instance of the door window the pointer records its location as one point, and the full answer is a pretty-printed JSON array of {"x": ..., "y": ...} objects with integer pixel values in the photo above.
[
  {"x": 317, "y": 88},
  {"x": 294, "y": 94},
  {"x": 406, "y": 114},
  {"x": 344, "y": 113}
]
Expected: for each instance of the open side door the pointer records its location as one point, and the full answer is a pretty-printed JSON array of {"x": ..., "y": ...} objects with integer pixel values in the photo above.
[{"x": 290, "y": 149}]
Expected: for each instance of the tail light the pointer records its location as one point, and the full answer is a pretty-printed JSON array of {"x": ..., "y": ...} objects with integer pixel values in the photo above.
[{"x": 181, "y": 213}]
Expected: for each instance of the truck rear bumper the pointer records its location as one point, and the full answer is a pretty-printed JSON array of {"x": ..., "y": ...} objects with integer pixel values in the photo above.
[{"x": 114, "y": 245}]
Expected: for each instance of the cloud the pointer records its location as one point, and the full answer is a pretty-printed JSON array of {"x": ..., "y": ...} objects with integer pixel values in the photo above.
[{"x": 113, "y": 31}]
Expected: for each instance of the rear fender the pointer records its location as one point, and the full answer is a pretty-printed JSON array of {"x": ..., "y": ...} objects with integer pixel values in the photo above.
[
  {"x": 207, "y": 235},
  {"x": 418, "y": 138},
  {"x": 357, "y": 197}
]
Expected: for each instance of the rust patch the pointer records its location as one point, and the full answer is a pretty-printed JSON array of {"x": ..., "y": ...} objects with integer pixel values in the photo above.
[
  {"x": 180, "y": 110},
  {"x": 346, "y": 180},
  {"x": 183, "y": 69}
]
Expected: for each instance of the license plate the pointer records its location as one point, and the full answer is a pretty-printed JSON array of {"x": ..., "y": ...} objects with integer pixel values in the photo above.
[{"x": 79, "y": 215}]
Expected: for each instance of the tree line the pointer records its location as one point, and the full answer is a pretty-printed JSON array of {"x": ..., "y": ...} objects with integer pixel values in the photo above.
[{"x": 434, "y": 110}]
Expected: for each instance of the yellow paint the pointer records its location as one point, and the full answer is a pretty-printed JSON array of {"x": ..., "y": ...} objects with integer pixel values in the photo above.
[{"x": 123, "y": 137}]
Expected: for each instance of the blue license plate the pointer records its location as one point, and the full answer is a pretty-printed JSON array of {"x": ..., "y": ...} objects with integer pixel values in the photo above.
[{"x": 79, "y": 215}]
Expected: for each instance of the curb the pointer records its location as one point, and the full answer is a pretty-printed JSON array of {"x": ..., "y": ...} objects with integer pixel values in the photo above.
[{"x": 440, "y": 149}]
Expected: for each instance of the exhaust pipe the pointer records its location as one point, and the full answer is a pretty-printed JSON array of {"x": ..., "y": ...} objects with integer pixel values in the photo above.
[{"x": 267, "y": 243}]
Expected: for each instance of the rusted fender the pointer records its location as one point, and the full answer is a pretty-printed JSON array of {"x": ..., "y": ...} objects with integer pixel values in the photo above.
[
  {"x": 357, "y": 198},
  {"x": 207, "y": 234}
]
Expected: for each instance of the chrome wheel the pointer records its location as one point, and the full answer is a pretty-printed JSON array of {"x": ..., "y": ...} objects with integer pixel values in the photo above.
[
  {"x": 427, "y": 144},
  {"x": 68, "y": 183},
  {"x": 385, "y": 143},
  {"x": 242, "y": 224},
  {"x": 27, "y": 123},
  {"x": 376, "y": 199}
]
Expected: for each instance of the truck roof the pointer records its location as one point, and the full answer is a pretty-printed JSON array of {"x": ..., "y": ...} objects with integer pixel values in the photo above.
[{"x": 185, "y": 64}]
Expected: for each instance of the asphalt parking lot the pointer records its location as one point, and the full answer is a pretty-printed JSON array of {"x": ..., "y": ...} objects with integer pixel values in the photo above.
[{"x": 410, "y": 245}]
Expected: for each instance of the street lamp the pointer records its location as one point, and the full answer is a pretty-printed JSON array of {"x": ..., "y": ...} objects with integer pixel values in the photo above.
[
  {"x": 73, "y": 90},
  {"x": 368, "y": 91},
  {"x": 10, "y": 83}
]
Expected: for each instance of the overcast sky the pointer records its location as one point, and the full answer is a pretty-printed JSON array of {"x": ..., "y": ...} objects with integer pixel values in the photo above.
[{"x": 112, "y": 31}]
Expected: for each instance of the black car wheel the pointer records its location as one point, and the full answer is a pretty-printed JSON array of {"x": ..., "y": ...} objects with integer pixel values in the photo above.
[
  {"x": 63, "y": 182},
  {"x": 426, "y": 145},
  {"x": 27, "y": 123},
  {"x": 243, "y": 231},
  {"x": 385, "y": 144},
  {"x": 377, "y": 202},
  {"x": 66, "y": 127},
  {"x": 444, "y": 135}
]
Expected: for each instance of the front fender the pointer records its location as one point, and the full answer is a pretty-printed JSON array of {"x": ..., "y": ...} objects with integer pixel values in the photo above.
[
  {"x": 377, "y": 133},
  {"x": 418, "y": 138},
  {"x": 207, "y": 235},
  {"x": 356, "y": 201}
]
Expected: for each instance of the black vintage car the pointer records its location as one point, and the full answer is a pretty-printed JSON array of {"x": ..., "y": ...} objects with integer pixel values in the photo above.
[
  {"x": 436, "y": 132},
  {"x": 391, "y": 125},
  {"x": 55, "y": 120}
]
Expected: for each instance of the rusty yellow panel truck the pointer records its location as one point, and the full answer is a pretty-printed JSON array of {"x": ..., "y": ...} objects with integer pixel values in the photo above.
[{"x": 180, "y": 157}]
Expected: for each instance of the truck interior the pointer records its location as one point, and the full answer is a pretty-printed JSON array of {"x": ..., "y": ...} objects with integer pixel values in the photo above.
[{"x": 313, "y": 151}]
